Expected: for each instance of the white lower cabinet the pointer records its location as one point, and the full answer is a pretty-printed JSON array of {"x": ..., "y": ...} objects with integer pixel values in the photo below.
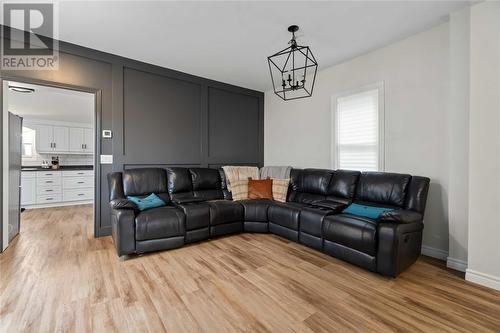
[
  {"x": 48, "y": 199},
  {"x": 28, "y": 189},
  {"x": 78, "y": 194},
  {"x": 56, "y": 188}
]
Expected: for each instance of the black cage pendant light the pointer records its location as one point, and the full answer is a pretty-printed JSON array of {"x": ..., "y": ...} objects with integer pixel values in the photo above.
[{"x": 293, "y": 70}]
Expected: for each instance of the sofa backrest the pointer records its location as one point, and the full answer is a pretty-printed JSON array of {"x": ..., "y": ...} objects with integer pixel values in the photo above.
[
  {"x": 207, "y": 183},
  {"x": 179, "y": 184},
  {"x": 416, "y": 195},
  {"x": 309, "y": 185},
  {"x": 383, "y": 188},
  {"x": 144, "y": 181},
  {"x": 342, "y": 186}
]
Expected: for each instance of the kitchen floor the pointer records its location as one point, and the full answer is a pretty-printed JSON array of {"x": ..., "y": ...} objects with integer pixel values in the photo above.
[{"x": 44, "y": 227}]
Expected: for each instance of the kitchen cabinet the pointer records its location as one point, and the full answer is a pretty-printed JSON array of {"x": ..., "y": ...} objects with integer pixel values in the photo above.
[
  {"x": 81, "y": 140},
  {"x": 88, "y": 140},
  {"x": 54, "y": 188},
  {"x": 61, "y": 138},
  {"x": 44, "y": 138},
  {"x": 28, "y": 188},
  {"x": 52, "y": 139},
  {"x": 76, "y": 139}
]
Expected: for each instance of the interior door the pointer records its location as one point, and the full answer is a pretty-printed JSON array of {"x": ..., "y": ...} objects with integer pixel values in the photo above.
[
  {"x": 15, "y": 146},
  {"x": 61, "y": 138},
  {"x": 88, "y": 140},
  {"x": 76, "y": 139},
  {"x": 44, "y": 138}
]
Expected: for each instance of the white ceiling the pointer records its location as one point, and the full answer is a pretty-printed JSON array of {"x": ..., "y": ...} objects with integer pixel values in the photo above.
[
  {"x": 54, "y": 104},
  {"x": 230, "y": 41}
]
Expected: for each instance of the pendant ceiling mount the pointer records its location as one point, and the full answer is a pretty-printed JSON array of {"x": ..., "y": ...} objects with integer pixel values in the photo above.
[{"x": 293, "y": 70}]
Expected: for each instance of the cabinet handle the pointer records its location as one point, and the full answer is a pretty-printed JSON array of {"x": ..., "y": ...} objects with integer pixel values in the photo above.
[
  {"x": 48, "y": 181},
  {"x": 80, "y": 173},
  {"x": 49, "y": 190},
  {"x": 81, "y": 183},
  {"x": 80, "y": 194},
  {"x": 48, "y": 199},
  {"x": 54, "y": 144}
]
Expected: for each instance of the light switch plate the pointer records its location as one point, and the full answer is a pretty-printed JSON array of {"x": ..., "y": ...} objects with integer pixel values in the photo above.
[
  {"x": 107, "y": 134},
  {"x": 106, "y": 159}
]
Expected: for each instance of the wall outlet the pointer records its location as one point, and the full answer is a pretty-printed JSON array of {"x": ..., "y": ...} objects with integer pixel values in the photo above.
[{"x": 106, "y": 159}]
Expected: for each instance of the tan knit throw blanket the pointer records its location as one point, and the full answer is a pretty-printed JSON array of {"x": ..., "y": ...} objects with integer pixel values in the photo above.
[{"x": 234, "y": 173}]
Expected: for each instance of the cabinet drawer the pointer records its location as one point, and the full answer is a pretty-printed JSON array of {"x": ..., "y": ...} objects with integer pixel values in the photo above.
[
  {"x": 28, "y": 175},
  {"x": 49, "y": 181},
  {"x": 78, "y": 194},
  {"x": 45, "y": 199},
  {"x": 48, "y": 174},
  {"x": 48, "y": 190},
  {"x": 78, "y": 182},
  {"x": 78, "y": 173}
]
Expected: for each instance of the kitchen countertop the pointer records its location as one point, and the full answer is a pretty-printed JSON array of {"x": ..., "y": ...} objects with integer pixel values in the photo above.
[{"x": 61, "y": 168}]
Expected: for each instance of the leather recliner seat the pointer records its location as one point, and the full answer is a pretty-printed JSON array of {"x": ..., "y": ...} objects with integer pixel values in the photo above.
[{"x": 200, "y": 207}]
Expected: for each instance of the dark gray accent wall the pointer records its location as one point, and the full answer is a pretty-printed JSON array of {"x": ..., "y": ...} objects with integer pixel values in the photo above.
[
  {"x": 162, "y": 118},
  {"x": 159, "y": 117},
  {"x": 233, "y": 126}
]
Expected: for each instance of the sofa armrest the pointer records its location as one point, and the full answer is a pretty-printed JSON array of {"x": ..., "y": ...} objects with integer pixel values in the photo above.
[
  {"x": 123, "y": 203},
  {"x": 399, "y": 246},
  {"x": 401, "y": 216},
  {"x": 123, "y": 230},
  {"x": 337, "y": 207}
]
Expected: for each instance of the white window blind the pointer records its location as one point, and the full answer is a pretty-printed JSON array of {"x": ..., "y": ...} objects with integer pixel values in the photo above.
[{"x": 358, "y": 139}]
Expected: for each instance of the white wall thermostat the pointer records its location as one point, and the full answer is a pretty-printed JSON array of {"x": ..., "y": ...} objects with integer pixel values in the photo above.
[
  {"x": 107, "y": 134},
  {"x": 106, "y": 159}
]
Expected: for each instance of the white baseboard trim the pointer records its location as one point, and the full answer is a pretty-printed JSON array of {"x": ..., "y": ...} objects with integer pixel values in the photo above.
[
  {"x": 434, "y": 253},
  {"x": 456, "y": 264},
  {"x": 483, "y": 279}
]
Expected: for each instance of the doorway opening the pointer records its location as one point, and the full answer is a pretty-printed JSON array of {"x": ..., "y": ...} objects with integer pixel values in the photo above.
[{"x": 51, "y": 159}]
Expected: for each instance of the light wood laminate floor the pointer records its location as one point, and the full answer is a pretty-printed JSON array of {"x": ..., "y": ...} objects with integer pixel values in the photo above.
[{"x": 57, "y": 277}]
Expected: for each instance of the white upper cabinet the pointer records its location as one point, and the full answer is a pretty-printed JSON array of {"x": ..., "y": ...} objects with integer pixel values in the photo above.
[
  {"x": 44, "y": 138},
  {"x": 61, "y": 139},
  {"x": 64, "y": 139},
  {"x": 88, "y": 140},
  {"x": 76, "y": 141}
]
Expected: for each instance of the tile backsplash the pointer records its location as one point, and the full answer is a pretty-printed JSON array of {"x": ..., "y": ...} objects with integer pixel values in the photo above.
[{"x": 37, "y": 159}]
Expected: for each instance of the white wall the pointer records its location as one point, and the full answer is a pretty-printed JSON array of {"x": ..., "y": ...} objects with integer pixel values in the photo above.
[
  {"x": 459, "y": 138},
  {"x": 416, "y": 76},
  {"x": 484, "y": 177}
]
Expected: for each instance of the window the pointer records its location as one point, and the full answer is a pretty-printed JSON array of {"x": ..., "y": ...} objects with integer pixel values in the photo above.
[
  {"x": 28, "y": 142},
  {"x": 358, "y": 123}
]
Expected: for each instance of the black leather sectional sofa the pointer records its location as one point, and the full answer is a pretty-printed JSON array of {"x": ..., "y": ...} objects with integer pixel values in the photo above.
[{"x": 199, "y": 207}]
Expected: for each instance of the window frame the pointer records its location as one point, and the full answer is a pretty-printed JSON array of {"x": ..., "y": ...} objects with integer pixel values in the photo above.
[{"x": 334, "y": 151}]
